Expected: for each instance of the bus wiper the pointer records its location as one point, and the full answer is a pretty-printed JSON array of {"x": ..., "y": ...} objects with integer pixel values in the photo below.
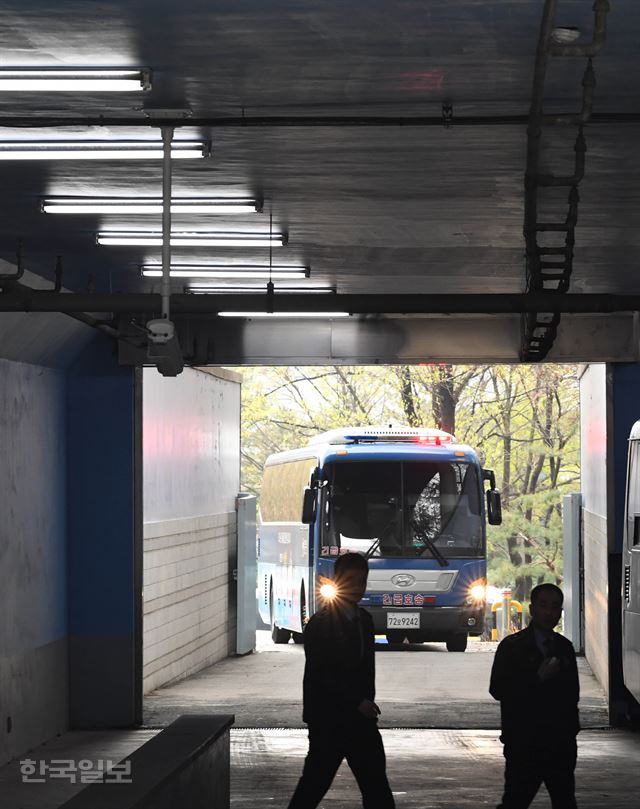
[
  {"x": 421, "y": 534},
  {"x": 376, "y": 543}
]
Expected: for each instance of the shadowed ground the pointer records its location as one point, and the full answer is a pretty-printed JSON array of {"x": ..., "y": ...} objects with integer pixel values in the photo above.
[
  {"x": 419, "y": 686},
  {"x": 432, "y": 769}
]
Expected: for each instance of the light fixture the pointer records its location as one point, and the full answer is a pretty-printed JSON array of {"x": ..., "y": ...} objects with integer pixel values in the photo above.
[
  {"x": 186, "y": 239},
  {"x": 318, "y": 289},
  {"x": 100, "y": 150},
  {"x": 326, "y": 315},
  {"x": 235, "y": 272},
  {"x": 74, "y": 79},
  {"x": 149, "y": 205},
  {"x": 565, "y": 35}
]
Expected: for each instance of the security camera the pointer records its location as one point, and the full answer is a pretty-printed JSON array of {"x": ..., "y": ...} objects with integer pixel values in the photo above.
[
  {"x": 160, "y": 331},
  {"x": 163, "y": 348}
]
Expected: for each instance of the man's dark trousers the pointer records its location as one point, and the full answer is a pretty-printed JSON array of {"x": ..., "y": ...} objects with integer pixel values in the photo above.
[
  {"x": 359, "y": 741},
  {"x": 529, "y": 766}
]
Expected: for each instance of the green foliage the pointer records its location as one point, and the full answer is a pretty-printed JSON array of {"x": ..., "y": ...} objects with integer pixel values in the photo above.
[{"x": 523, "y": 421}]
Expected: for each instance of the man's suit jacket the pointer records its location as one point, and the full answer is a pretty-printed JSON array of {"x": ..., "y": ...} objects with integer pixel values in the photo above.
[
  {"x": 340, "y": 665},
  {"x": 535, "y": 711}
]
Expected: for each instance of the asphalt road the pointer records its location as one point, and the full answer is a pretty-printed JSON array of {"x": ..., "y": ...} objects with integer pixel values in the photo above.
[{"x": 418, "y": 686}]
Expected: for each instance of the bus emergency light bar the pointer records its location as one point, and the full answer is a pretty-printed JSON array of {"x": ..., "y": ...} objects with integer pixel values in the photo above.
[{"x": 359, "y": 435}]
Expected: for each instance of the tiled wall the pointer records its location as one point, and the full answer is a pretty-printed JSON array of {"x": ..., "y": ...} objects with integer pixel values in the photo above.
[{"x": 189, "y": 596}]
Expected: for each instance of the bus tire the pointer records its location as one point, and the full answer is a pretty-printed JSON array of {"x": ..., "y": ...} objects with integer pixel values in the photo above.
[
  {"x": 457, "y": 642},
  {"x": 298, "y": 637},
  {"x": 278, "y": 635}
]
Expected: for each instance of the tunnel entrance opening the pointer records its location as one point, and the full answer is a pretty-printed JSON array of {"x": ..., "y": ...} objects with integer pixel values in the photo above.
[{"x": 525, "y": 423}]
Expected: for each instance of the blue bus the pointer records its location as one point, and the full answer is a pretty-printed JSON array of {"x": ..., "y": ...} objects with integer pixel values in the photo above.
[
  {"x": 631, "y": 569},
  {"x": 410, "y": 500}
]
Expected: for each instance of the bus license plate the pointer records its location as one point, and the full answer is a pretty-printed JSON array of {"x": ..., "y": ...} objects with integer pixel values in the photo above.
[{"x": 403, "y": 620}]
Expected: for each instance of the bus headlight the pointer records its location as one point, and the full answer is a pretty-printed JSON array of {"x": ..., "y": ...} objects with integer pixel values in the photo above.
[
  {"x": 328, "y": 591},
  {"x": 477, "y": 591}
]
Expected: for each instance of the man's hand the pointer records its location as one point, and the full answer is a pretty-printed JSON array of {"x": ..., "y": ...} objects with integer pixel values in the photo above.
[
  {"x": 369, "y": 709},
  {"x": 549, "y": 668}
]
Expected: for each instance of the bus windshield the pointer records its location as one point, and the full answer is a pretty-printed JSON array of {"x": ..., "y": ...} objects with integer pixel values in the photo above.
[{"x": 403, "y": 508}]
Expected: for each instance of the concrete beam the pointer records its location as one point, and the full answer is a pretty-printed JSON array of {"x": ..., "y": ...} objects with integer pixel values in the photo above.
[
  {"x": 472, "y": 339},
  {"x": 24, "y": 300}
]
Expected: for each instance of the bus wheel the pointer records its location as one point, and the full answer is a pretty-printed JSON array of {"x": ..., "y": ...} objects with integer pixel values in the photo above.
[
  {"x": 457, "y": 642},
  {"x": 277, "y": 635},
  {"x": 395, "y": 636},
  {"x": 298, "y": 637}
]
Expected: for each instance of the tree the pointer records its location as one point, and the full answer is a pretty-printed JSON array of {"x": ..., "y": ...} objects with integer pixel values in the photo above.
[
  {"x": 532, "y": 438},
  {"x": 523, "y": 421}
]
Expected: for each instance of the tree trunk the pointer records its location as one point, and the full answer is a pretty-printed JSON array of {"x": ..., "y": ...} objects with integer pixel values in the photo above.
[
  {"x": 444, "y": 401},
  {"x": 407, "y": 395}
]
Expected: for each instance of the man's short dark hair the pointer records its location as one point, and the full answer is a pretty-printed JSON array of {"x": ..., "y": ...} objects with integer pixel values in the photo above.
[
  {"x": 350, "y": 561},
  {"x": 546, "y": 587}
]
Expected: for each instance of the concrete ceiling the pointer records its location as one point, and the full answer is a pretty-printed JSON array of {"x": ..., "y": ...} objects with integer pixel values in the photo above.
[{"x": 371, "y": 209}]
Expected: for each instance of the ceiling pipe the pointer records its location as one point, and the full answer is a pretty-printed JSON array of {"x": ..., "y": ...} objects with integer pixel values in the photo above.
[
  {"x": 294, "y": 121},
  {"x": 16, "y": 289},
  {"x": 551, "y": 278},
  {"x": 586, "y": 113},
  {"x": 504, "y": 304},
  {"x": 580, "y": 148},
  {"x": 17, "y": 275},
  {"x": 167, "y": 137},
  {"x": 601, "y": 9}
]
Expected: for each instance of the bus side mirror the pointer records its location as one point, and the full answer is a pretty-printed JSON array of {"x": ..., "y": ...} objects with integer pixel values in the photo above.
[
  {"x": 494, "y": 507},
  {"x": 309, "y": 506},
  {"x": 489, "y": 474}
]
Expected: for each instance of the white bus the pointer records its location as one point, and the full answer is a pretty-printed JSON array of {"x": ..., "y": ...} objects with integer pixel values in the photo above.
[{"x": 631, "y": 569}]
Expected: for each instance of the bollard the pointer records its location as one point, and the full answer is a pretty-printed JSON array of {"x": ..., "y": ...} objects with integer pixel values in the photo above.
[
  {"x": 518, "y": 608},
  {"x": 494, "y": 619},
  {"x": 506, "y": 612},
  {"x": 502, "y": 625}
]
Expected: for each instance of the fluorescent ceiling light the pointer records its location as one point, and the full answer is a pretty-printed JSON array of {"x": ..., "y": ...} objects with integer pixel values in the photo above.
[
  {"x": 149, "y": 205},
  {"x": 239, "y": 272},
  {"x": 100, "y": 150},
  {"x": 72, "y": 79},
  {"x": 151, "y": 239},
  {"x": 284, "y": 314},
  {"x": 305, "y": 289}
]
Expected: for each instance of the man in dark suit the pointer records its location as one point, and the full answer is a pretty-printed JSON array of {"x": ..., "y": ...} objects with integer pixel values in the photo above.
[
  {"x": 339, "y": 693},
  {"x": 535, "y": 677}
]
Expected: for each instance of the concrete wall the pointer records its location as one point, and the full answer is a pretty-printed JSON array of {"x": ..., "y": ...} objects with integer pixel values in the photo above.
[
  {"x": 66, "y": 525},
  {"x": 596, "y": 597},
  {"x": 33, "y": 588},
  {"x": 191, "y": 451},
  {"x": 596, "y": 429}
]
